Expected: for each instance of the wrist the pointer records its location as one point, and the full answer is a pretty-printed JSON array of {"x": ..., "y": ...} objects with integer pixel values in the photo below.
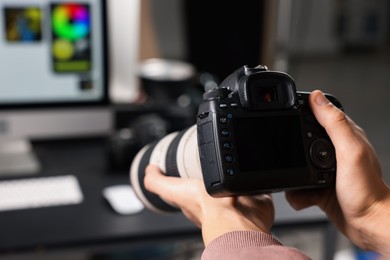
[
  {"x": 223, "y": 222},
  {"x": 376, "y": 225}
]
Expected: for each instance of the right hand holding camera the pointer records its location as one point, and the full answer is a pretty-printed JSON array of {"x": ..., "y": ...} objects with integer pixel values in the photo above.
[{"x": 359, "y": 205}]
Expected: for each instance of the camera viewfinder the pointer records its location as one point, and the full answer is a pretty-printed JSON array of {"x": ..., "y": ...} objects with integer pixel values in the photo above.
[
  {"x": 268, "y": 94},
  {"x": 267, "y": 91}
]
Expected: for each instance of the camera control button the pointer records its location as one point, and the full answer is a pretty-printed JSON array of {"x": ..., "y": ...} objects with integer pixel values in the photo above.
[
  {"x": 223, "y": 120},
  {"x": 225, "y": 132},
  {"x": 230, "y": 172},
  {"x": 324, "y": 177},
  {"x": 203, "y": 115},
  {"x": 322, "y": 154},
  {"x": 222, "y": 106},
  {"x": 227, "y": 145},
  {"x": 229, "y": 158}
]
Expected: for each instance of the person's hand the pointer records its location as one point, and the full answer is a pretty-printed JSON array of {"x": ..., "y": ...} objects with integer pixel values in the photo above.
[
  {"x": 359, "y": 205},
  {"x": 215, "y": 216}
]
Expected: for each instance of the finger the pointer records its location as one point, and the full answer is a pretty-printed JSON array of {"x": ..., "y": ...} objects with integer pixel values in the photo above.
[
  {"x": 157, "y": 183},
  {"x": 336, "y": 123},
  {"x": 171, "y": 189},
  {"x": 301, "y": 199},
  {"x": 252, "y": 201}
]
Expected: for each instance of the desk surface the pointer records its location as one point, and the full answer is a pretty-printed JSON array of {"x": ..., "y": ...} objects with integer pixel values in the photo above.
[{"x": 93, "y": 222}]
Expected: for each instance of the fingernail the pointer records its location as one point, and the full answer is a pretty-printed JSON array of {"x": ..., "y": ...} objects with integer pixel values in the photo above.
[{"x": 321, "y": 100}]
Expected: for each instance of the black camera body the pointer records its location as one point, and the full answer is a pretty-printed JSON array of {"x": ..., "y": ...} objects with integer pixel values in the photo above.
[{"x": 257, "y": 134}]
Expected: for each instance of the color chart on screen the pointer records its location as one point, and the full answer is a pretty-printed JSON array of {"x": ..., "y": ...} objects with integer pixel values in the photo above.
[{"x": 71, "y": 37}]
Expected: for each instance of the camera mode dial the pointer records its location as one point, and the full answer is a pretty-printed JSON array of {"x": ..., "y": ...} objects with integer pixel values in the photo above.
[{"x": 217, "y": 93}]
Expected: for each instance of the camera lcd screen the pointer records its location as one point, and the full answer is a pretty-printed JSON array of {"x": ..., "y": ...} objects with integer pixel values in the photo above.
[{"x": 269, "y": 143}]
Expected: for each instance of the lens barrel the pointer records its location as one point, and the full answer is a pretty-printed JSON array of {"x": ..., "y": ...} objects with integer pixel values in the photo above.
[{"x": 176, "y": 155}]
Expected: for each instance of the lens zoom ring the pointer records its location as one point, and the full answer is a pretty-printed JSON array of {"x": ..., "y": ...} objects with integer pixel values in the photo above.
[
  {"x": 170, "y": 160},
  {"x": 155, "y": 200}
]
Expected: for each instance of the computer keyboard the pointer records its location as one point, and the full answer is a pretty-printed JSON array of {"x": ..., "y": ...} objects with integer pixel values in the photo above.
[{"x": 39, "y": 192}]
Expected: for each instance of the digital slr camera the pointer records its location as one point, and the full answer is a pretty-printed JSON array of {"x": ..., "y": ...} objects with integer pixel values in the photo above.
[{"x": 254, "y": 134}]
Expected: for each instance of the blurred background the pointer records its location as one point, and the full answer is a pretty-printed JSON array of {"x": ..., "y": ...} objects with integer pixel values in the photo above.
[
  {"x": 173, "y": 49},
  {"x": 338, "y": 46}
]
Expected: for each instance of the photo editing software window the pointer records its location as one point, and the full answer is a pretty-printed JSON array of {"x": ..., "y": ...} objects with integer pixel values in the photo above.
[{"x": 51, "y": 51}]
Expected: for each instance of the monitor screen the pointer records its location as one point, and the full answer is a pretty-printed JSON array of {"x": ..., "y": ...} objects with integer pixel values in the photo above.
[
  {"x": 53, "y": 76},
  {"x": 52, "y": 53}
]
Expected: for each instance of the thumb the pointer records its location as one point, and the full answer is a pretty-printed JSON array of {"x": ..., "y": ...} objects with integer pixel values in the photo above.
[{"x": 334, "y": 120}]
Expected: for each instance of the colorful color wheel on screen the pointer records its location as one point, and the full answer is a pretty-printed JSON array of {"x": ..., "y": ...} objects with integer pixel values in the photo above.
[{"x": 71, "y": 21}]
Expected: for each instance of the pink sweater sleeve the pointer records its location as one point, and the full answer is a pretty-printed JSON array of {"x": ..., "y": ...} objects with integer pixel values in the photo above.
[{"x": 249, "y": 245}]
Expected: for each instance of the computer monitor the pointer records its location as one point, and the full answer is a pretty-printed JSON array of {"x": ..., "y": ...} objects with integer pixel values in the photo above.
[{"x": 53, "y": 75}]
